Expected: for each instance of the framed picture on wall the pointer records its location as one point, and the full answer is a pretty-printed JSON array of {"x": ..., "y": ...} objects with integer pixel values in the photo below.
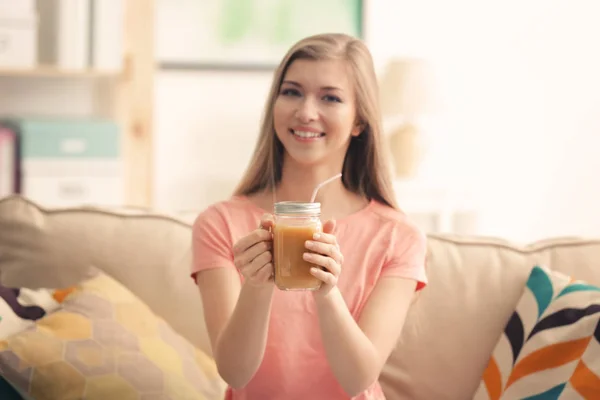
[{"x": 245, "y": 34}]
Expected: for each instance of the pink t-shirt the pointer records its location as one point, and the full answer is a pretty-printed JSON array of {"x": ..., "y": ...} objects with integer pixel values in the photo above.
[{"x": 377, "y": 241}]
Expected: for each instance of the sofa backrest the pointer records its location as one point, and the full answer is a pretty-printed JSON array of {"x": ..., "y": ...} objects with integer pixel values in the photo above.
[{"x": 455, "y": 323}]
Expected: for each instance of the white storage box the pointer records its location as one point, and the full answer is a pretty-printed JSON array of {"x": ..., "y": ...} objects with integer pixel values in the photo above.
[
  {"x": 74, "y": 183},
  {"x": 18, "y": 42}
]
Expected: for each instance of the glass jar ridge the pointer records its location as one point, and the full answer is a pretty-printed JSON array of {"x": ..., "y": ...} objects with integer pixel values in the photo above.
[{"x": 295, "y": 223}]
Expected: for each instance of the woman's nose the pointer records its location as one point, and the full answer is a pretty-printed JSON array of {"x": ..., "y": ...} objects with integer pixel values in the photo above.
[{"x": 307, "y": 111}]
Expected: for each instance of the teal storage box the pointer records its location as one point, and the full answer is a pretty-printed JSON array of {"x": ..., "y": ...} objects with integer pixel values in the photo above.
[
  {"x": 67, "y": 138},
  {"x": 70, "y": 162}
]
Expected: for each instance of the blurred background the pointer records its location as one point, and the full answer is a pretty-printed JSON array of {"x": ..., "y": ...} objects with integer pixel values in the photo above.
[{"x": 491, "y": 109}]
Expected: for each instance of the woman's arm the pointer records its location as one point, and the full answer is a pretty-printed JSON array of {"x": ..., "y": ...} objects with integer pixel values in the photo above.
[
  {"x": 358, "y": 352},
  {"x": 236, "y": 314},
  {"x": 237, "y": 317}
]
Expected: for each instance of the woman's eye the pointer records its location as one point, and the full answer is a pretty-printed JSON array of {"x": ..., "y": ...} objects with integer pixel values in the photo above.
[
  {"x": 290, "y": 92},
  {"x": 332, "y": 98}
]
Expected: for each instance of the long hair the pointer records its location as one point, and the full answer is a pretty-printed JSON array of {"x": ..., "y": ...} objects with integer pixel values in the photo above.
[{"x": 365, "y": 170}]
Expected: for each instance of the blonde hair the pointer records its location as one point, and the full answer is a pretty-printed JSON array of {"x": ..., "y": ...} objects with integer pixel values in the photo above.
[{"x": 365, "y": 169}]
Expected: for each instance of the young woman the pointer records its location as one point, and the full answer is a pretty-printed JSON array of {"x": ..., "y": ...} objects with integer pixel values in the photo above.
[{"x": 322, "y": 117}]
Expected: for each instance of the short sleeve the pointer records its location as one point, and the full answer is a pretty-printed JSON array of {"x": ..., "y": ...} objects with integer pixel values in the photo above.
[
  {"x": 407, "y": 255},
  {"x": 211, "y": 242}
]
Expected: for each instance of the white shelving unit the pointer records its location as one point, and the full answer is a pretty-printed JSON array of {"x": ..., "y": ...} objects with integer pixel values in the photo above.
[{"x": 126, "y": 96}]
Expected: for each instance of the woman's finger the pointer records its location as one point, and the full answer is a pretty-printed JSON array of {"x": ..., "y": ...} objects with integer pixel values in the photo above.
[
  {"x": 258, "y": 263},
  {"x": 250, "y": 240},
  {"x": 329, "y": 226},
  {"x": 325, "y": 238},
  {"x": 265, "y": 273},
  {"x": 323, "y": 261},
  {"x": 324, "y": 276},
  {"x": 325, "y": 249},
  {"x": 266, "y": 222},
  {"x": 254, "y": 251}
]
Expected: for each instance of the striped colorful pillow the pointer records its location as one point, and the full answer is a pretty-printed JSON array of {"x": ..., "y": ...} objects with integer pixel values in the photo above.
[
  {"x": 21, "y": 307},
  {"x": 550, "y": 347}
]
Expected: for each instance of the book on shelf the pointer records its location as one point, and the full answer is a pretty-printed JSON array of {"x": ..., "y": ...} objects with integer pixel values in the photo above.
[
  {"x": 82, "y": 34},
  {"x": 10, "y": 176},
  {"x": 106, "y": 41}
]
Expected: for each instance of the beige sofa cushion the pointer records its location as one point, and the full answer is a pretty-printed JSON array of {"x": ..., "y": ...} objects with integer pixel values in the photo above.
[
  {"x": 475, "y": 284},
  {"x": 147, "y": 252}
]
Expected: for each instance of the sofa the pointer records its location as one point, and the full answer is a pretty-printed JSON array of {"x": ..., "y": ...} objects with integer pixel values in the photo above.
[{"x": 142, "y": 256}]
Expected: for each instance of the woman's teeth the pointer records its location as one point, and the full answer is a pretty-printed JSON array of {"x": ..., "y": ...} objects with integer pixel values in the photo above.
[{"x": 306, "y": 134}]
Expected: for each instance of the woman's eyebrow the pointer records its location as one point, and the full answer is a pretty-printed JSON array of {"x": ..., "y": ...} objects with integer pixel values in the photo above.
[{"x": 294, "y": 83}]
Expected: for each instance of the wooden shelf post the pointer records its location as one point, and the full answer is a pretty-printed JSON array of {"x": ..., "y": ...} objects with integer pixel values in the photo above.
[{"x": 135, "y": 101}]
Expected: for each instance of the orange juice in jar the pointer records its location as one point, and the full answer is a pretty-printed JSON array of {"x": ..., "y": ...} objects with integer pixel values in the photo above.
[{"x": 295, "y": 223}]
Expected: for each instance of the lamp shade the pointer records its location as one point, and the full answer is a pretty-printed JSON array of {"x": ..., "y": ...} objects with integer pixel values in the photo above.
[{"x": 407, "y": 88}]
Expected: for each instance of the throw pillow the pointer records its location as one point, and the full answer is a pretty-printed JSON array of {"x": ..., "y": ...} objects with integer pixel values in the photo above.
[
  {"x": 550, "y": 347},
  {"x": 104, "y": 343},
  {"x": 20, "y": 308},
  {"x": 59, "y": 247}
]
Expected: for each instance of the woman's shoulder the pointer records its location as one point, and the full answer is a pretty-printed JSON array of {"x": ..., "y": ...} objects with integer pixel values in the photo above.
[
  {"x": 231, "y": 204},
  {"x": 389, "y": 220},
  {"x": 231, "y": 211},
  {"x": 385, "y": 213}
]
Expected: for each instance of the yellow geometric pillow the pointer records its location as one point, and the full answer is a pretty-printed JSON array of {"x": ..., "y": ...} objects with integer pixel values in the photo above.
[{"x": 104, "y": 343}]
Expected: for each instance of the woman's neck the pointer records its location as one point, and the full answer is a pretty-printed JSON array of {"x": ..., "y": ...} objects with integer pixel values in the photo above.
[{"x": 298, "y": 183}]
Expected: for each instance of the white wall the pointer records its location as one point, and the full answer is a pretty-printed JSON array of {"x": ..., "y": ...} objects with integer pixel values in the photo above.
[
  {"x": 206, "y": 126},
  {"x": 524, "y": 104},
  {"x": 521, "y": 124},
  {"x": 521, "y": 129}
]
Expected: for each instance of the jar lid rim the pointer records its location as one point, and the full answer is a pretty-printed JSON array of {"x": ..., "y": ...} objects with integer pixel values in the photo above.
[{"x": 297, "y": 207}]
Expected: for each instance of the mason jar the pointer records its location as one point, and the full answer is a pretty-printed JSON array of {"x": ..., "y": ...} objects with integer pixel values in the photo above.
[{"x": 295, "y": 223}]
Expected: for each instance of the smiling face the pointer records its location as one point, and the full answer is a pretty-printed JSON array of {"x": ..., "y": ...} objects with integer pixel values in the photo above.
[{"x": 315, "y": 111}]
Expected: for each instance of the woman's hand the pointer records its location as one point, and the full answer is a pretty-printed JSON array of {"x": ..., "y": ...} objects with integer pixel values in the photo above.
[
  {"x": 252, "y": 254},
  {"x": 325, "y": 252}
]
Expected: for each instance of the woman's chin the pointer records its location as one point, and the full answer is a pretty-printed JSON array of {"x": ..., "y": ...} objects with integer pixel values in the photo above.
[{"x": 305, "y": 159}]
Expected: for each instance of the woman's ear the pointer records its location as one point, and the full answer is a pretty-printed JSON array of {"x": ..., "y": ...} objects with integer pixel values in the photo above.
[{"x": 359, "y": 127}]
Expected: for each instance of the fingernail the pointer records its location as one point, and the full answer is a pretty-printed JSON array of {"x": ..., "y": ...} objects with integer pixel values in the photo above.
[
  {"x": 309, "y": 244},
  {"x": 305, "y": 256},
  {"x": 316, "y": 236}
]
